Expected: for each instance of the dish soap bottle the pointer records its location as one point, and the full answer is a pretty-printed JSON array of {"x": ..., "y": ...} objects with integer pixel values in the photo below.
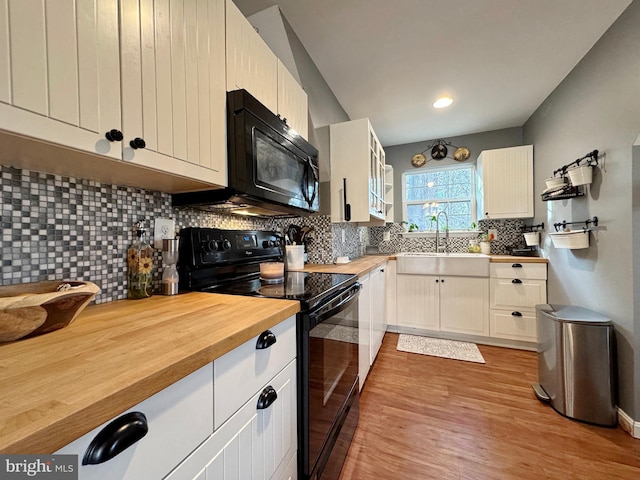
[{"x": 140, "y": 265}]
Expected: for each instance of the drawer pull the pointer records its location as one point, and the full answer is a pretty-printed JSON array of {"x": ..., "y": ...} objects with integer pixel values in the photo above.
[
  {"x": 517, "y": 265},
  {"x": 116, "y": 437},
  {"x": 516, "y": 314},
  {"x": 265, "y": 340},
  {"x": 516, "y": 280},
  {"x": 266, "y": 398}
]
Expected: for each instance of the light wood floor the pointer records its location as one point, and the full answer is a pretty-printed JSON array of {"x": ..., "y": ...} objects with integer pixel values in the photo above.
[{"x": 425, "y": 417}]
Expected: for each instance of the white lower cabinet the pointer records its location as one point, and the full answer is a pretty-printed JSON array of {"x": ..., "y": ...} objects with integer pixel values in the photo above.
[
  {"x": 254, "y": 443},
  {"x": 179, "y": 418},
  {"x": 378, "y": 319},
  {"x": 443, "y": 303},
  {"x": 254, "y": 405},
  {"x": 515, "y": 290},
  {"x": 372, "y": 323},
  {"x": 364, "y": 329}
]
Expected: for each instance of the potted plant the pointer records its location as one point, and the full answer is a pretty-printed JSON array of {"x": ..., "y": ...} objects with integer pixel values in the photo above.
[{"x": 409, "y": 227}]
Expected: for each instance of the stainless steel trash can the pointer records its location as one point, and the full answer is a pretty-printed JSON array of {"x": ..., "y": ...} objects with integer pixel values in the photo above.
[{"x": 576, "y": 363}]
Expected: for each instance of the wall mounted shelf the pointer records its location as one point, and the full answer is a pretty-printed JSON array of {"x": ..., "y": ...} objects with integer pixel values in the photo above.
[{"x": 569, "y": 191}]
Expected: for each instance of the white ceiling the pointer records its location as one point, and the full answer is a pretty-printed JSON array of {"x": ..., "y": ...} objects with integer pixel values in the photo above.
[{"x": 389, "y": 60}]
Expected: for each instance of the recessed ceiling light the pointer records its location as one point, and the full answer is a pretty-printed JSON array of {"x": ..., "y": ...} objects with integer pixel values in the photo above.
[{"x": 443, "y": 102}]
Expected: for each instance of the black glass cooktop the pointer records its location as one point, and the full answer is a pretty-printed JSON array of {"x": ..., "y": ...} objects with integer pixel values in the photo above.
[{"x": 310, "y": 288}]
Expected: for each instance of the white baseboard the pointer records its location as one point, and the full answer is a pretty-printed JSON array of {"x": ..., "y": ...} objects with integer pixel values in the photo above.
[{"x": 628, "y": 424}]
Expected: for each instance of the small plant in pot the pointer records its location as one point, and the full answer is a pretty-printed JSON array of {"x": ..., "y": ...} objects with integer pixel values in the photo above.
[{"x": 409, "y": 227}]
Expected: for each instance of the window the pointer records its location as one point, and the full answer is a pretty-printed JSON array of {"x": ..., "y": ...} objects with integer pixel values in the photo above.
[{"x": 428, "y": 191}]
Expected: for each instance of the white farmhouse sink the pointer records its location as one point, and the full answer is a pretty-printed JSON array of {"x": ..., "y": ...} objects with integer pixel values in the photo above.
[{"x": 430, "y": 263}]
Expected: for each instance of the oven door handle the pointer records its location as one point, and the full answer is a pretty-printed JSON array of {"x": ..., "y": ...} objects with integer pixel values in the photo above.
[{"x": 344, "y": 301}]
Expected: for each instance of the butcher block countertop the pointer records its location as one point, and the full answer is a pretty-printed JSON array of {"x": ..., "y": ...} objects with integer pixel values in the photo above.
[
  {"x": 358, "y": 266},
  {"x": 516, "y": 259},
  {"x": 58, "y": 386}
]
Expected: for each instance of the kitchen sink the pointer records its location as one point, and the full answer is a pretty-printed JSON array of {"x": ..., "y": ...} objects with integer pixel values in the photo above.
[{"x": 431, "y": 263}]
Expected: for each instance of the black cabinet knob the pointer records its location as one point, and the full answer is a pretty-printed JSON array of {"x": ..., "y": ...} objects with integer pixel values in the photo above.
[
  {"x": 114, "y": 135},
  {"x": 137, "y": 143}
]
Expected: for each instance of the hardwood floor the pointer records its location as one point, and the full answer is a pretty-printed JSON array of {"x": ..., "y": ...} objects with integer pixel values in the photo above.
[{"x": 425, "y": 417}]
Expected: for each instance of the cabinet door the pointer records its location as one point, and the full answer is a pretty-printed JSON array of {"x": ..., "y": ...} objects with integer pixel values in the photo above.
[
  {"x": 378, "y": 324},
  {"x": 250, "y": 63},
  {"x": 517, "y": 293},
  {"x": 60, "y": 72},
  {"x": 253, "y": 443},
  {"x": 180, "y": 418},
  {"x": 173, "y": 94},
  {"x": 464, "y": 305},
  {"x": 293, "y": 103},
  {"x": 364, "y": 328},
  {"x": 513, "y": 325},
  {"x": 507, "y": 177},
  {"x": 418, "y": 298}
]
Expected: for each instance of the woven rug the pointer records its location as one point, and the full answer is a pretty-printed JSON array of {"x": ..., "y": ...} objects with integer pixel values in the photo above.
[{"x": 438, "y": 347}]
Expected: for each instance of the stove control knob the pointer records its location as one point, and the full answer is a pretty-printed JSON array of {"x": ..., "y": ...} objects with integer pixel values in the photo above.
[
  {"x": 209, "y": 246},
  {"x": 266, "y": 244},
  {"x": 273, "y": 243},
  {"x": 226, "y": 245}
]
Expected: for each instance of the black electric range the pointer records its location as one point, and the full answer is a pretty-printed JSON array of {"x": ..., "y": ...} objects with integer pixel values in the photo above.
[{"x": 228, "y": 261}]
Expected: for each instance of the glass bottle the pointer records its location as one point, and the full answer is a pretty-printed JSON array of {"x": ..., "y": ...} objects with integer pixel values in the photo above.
[{"x": 140, "y": 265}]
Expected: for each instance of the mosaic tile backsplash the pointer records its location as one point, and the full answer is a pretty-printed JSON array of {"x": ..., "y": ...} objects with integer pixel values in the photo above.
[
  {"x": 509, "y": 236},
  {"x": 56, "y": 228},
  {"x": 61, "y": 228}
]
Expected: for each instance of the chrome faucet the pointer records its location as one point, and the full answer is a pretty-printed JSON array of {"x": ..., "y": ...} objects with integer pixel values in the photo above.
[{"x": 446, "y": 232}]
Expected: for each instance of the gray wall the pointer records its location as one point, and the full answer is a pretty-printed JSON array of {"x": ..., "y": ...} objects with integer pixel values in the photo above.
[
  {"x": 597, "y": 106},
  {"x": 400, "y": 155}
]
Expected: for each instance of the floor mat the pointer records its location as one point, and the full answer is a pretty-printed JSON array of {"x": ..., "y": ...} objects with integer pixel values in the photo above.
[{"x": 439, "y": 347}]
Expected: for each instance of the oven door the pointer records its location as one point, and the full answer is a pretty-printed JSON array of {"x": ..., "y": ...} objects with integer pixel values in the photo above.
[{"x": 327, "y": 374}]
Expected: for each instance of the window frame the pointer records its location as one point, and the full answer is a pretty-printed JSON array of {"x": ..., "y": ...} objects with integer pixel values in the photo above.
[{"x": 474, "y": 202}]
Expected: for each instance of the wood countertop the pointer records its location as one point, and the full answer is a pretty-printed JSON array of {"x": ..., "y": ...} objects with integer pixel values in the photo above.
[
  {"x": 58, "y": 386},
  {"x": 516, "y": 259},
  {"x": 358, "y": 266}
]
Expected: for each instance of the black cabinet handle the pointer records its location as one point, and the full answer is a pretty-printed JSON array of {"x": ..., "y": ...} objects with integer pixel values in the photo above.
[
  {"x": 266, "y": 398},
  {"x": 437, "y": 280},
  {"x": 516, "y": 314},
  {"x": 137, "y": 143},
  {"x": 265, "y": 340},
  {"x": 442, "y": 280},
  {"x": 382, "y": 270},
  {"x": 516, "y": 280},
  {"x": 116, "y": 437},
  {"x": 347, "y": 206},
  {"x": 114, "y": 135},
  {"x": 517, "y": 265}
]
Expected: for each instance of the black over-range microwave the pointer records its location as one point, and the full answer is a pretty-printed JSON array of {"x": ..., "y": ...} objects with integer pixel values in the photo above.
[{"x": 272, "y": 170}]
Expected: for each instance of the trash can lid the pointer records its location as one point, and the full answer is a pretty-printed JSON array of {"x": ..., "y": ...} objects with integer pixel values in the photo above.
[{"x": 573, "y": 314}]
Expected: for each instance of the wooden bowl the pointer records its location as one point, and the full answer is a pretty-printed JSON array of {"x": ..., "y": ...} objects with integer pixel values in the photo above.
[{"x": 31, "y": 309}]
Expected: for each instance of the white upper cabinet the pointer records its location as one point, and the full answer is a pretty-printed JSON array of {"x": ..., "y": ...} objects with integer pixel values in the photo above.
[
  {"x": 505, "y": 183},
  {"x": 357, "y": 173},
  {"x": 95, "y": 75},
  {"x": 60, "y": 72},
  {"x": 252, "y": 65},
  {"x": 173, "y": 89},
  {"x": 293, "y": 103}
]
